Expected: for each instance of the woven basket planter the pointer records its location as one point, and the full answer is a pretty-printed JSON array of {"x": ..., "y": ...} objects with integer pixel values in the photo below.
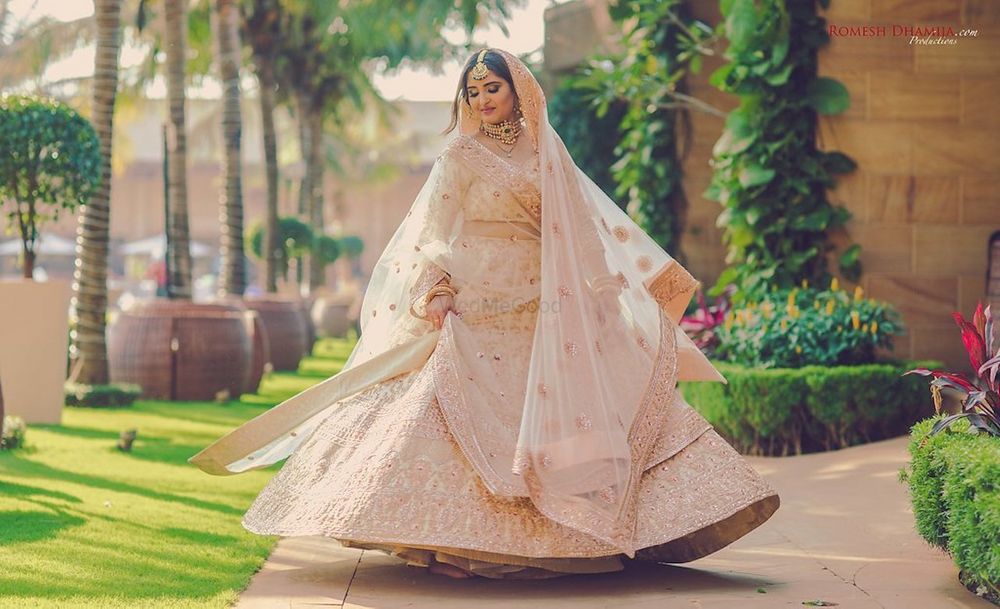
[
  {"x": 286, "y": 328},
  {"x": 179, "y": 350},
  {"x": 331, "y": 315}
]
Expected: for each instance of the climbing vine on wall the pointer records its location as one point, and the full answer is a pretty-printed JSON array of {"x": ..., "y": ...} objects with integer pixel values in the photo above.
[
  {"x": 768, "y": 173},
  {"x": 644, "y": 86}
]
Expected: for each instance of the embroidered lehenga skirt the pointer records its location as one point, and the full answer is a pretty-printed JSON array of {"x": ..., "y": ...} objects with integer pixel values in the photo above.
[{"x": 388, "y": 468}]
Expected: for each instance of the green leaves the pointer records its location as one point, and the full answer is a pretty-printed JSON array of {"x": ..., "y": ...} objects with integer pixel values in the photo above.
[
  {"x": 741, "y": 23},
  {"x": 49, "y": 162},
  {"x": 631, "y": 149},
  {"x": 768, "y": 174},
  {"x": 827, "y": 96},
  {"x": 755, "y": 175}
]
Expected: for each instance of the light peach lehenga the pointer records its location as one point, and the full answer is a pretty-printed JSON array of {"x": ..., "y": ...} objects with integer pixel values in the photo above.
[
  {"x": 386, "y": 469},
  {"x": 522, "y": 439}
]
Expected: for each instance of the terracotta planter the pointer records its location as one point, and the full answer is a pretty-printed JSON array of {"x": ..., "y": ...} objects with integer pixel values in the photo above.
[
  {"x": 34, "y": 334},
  {"x": 179, "y": 350},
  {"x": 286, "y": 328}
]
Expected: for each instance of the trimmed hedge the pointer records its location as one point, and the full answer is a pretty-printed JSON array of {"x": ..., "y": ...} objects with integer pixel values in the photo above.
[
  {"x": 954, "y": 480},
  {"x": 116, "y": 395},
  {"x": 781, "y": 411}
]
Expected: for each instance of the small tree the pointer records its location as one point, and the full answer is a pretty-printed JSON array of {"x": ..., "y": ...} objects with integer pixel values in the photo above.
[
  {"x": 295, "y": 239},
  {"x": 50, "y": 161},
  {"x": 352, "y": 246}
]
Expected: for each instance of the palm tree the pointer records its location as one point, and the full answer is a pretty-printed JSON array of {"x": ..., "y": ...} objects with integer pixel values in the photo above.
[
  {"x": 178, "y": 235},
  {"x": 261, "y": 24},
  {"x": 90, "y": 278},
  {"x": 233, "y": 268}
]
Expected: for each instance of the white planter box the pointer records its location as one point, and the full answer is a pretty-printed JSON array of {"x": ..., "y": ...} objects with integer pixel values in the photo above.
[{"x": 34, "y": 330}]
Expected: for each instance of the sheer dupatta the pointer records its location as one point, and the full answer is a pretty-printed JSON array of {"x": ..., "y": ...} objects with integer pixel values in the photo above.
[{"x": 604, "y": 363}]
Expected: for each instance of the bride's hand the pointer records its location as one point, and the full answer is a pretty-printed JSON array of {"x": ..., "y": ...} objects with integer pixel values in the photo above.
[{"x": 438, "y": 308}]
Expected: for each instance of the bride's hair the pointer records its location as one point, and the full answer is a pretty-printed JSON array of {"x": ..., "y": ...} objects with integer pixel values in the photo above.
[{"x": 496, "y": 63}]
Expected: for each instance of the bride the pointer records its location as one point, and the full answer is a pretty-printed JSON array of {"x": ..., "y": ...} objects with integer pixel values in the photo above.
[{"x": 511, "y": 408}]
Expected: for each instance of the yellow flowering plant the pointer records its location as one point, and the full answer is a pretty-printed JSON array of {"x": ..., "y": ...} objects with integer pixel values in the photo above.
[{"x": 808, "y": 326}]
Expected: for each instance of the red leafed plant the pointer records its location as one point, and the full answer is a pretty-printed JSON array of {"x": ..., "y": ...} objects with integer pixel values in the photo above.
[
  {"x": 980, "y": 399},
  {"x": 701, "y": 324}
]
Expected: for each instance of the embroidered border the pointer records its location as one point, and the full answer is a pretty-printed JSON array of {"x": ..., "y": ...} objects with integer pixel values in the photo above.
[{"x": 670, "y": 282}]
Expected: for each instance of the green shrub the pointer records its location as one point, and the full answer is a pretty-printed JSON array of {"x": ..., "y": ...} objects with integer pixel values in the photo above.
[
  {"x": 783, "y": 411},
  {"x": 116, "y": 395},
  {"x": 13, "y": 432},
  {"x": 953, "y": 480},
  {"x": 807, "y": 326},
  {"x": 49, "y": 165}
]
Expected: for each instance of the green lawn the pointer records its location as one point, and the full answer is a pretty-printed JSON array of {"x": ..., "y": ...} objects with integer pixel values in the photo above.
[{"x": 85, "y": 525}]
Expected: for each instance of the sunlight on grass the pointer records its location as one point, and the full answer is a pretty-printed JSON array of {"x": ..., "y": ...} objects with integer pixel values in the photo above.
[{"x": 85, "y": 525}]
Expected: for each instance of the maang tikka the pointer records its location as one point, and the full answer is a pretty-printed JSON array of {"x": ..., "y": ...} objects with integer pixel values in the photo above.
[{"x": 480, "y": 71}]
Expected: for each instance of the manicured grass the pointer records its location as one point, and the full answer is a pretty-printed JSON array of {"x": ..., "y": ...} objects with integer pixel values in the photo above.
[{"x": 85, "y": 525}]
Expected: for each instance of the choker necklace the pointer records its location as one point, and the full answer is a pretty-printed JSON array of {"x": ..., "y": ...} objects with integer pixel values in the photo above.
[{"x": 505, "y": 131}]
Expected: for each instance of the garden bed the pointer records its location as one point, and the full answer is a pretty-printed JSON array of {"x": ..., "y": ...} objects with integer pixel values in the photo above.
[
  {"x": 782, "y": 411},
  {"x": 956, "y": 500}
]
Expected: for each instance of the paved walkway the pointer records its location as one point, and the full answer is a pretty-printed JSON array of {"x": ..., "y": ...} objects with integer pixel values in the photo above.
[{"x": 844, "y": 535}]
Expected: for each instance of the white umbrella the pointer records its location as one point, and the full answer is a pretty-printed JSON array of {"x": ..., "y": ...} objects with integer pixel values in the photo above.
[
  {"x": 155, "y": 246},
  {"x": 48, "y": 245}
]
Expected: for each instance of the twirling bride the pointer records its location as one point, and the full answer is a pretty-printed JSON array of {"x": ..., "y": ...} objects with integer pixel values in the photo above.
[{"x": 511, "y": 408}]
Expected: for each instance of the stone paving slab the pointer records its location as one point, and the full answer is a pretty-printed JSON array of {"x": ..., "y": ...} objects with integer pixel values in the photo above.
[{"x": 844, "y": 534}]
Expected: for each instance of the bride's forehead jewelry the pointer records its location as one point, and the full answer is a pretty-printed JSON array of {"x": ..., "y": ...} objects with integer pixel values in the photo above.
[{"x": 480, "y": 71}]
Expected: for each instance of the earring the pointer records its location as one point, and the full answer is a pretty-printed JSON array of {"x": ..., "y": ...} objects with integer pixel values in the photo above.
[{"x": 468, "y": 111}]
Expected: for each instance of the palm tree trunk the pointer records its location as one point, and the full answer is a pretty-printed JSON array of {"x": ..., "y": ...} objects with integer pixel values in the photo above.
[
  {"x": 90, "y": 301},
  {"x": 233, "y": 268},
  {"x": 265, "y": 75},
  {"x": 316, "y": 165},
  {"x": 304, "y": 188},
  {"x": 178, "y": 234}
]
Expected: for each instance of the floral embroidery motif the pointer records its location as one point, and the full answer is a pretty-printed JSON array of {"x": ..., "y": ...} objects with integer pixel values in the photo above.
[
  {"x": 583, "y": 422},
  {"x": 546, "y": 461},
  {"x": 543, "y": 389},
  {"x": 621, "y": 233},
  {"x": 571, "y": 349},
  {"x": 565, "y": 292},
  {"x": 607, "y": 494},
  {"x": 644, "y": 263}
]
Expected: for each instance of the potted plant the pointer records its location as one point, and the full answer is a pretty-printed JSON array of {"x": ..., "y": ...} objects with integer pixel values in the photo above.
[
  {"x": 980, "y": 396},
  {"x": 49, "y": 165},
  {"x": 285, "y": 320}
]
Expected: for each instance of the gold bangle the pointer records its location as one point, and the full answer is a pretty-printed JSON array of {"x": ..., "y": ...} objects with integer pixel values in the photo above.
[{"x": 435, "y": 291}]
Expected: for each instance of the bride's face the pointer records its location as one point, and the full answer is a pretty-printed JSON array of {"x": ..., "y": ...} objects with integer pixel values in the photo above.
[{"x": 492, "y": 98}]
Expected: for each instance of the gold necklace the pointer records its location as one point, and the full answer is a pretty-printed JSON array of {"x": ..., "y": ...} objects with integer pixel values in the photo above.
[
  {"x": 504, "y": 131},
  {"x": 506, "y": 151}
]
